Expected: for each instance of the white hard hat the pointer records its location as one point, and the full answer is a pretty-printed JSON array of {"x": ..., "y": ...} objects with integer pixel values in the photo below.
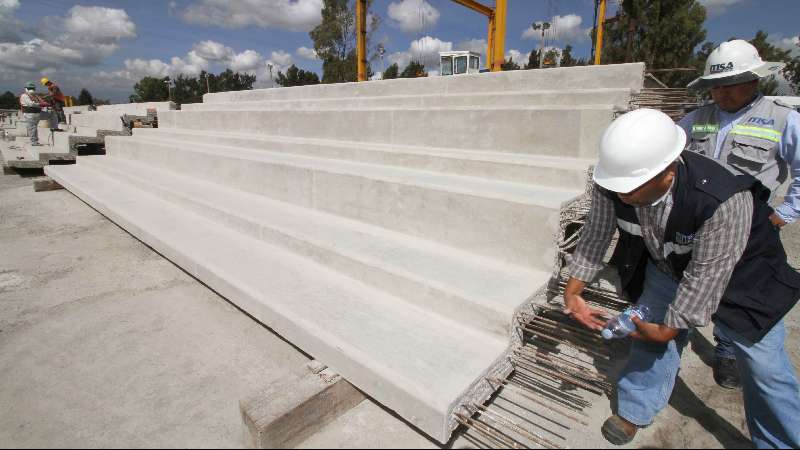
[
  {"x": 635, "y": 148},
  {"x": 734, "y": 62}
]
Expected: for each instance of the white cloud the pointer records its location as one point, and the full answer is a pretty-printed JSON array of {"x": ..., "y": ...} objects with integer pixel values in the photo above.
[
  {"x": 9, "y": 26},
  {"x": 518, "y": 57},
  {"x": 204, "y": 56},
  {"x": 281, "y": 58},
  {"x": 98, "y": 24},
  {"x": 563, "y": 28},
  {"x": 717, "y": 7},
  {"x": 294, "y": 15},
  {"x": 248, "y": 61},
  {"x": 307, "y": 53},
  {"x": 790, "y": 43},
  {"x": 425, "y": 50},
  {"x": 474, "y": 45},
  {"x": 413, "y": 16},
  {"x": 213, "y": 51},
  {"x": 86, "y": 36}
]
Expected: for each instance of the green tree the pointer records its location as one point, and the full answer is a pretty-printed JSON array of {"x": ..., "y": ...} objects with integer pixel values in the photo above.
[
  {"x": 567, "y": 60},
  {"x": 769, "y": 52},
  {"x": 335, "y": 40},
  {"x": 150, "y": 89},
  {"x": 391, "y": 72},
  {"x": 297, "y": 77},
  {"x": 232, "y": 81},
  {"x": 414, "y": 70},
  {"x": 9, "y": 101},
  {"x": 509, "y": 64},
  {"x": 188, "y": 89},
  {"x": 533, "y": 60},
  {"x": 85, "y": 98},
  {"x": 662, "y": 33},
  {"x": 551, "y": 57}
]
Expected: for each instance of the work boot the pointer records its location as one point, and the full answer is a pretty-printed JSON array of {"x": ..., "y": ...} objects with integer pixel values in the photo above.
[
  {"x": 726, "y": 373},
  {"x": 619, "y": 431}
]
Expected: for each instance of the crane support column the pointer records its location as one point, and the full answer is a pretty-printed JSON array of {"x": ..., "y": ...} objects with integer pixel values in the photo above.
[
  {"x": 361, "y": 38},
  {"x": 499, "y": 40},
  {"x": 601, "y": 24}
]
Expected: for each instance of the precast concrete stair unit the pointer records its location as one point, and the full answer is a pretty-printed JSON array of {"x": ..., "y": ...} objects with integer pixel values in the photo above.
[{"x": 395, "y": 239}]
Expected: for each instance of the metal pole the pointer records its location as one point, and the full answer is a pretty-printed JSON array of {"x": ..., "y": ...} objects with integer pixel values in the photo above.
[
  {"x": 271, "y": 78},
  {"x": 601, "y": 21}
]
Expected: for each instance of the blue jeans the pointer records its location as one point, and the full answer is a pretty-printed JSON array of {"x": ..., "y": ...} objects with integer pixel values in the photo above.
[
  {"x": 725, "y": 348},
  {"x": 771, "y": 390}
]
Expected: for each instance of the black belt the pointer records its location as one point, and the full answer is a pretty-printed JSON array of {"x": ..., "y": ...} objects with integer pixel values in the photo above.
[{"x": 31, "y": 109}]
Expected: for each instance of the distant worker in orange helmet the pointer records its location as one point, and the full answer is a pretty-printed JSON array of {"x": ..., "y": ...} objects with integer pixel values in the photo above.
[{"x": 56, "y": 98}]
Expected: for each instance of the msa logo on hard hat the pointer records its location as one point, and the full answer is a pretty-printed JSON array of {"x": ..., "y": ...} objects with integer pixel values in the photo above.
[
  {"x": 761, "y": 121},
  {"x": 719, "y": 68}
]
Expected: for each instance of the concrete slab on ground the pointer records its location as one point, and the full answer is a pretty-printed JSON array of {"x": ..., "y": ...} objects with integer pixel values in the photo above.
[{"x": 95, "y": 354}]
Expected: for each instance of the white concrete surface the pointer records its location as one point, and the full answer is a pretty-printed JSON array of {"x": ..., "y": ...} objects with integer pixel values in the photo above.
[
  {"x": 136, "y": 109},
  {"x": 626, "y": 76},
  {"x": 394, "y": 245},
  {"x": 617, "y": 96},
  {"x": 549, "y": 130},
  {"x": 555, "y": 171}
]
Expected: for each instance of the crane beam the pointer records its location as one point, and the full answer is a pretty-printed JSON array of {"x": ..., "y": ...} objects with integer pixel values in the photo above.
[{"x": 477, "y": 7}]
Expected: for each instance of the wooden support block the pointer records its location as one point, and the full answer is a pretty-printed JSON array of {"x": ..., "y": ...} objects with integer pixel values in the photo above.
[
  {"x": 46, "y": 184},
  {"x": 294, "y": 408}
]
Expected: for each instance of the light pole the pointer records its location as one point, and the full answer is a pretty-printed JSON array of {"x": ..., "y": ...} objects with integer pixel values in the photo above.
[
  {"x": 544, "y": 26},
  {"x": 271, "y": 79},
  {"x": 381, "y": 52},
  {"x": 169, "y": 88}
]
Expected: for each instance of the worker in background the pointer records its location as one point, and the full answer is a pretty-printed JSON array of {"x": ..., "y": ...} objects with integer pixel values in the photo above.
[
  {"x": 695, "y": 245},
  {"x": 31, "y": 106},
  {"x": 57, "y": 101},
  {"x": 753, "y": 135}
]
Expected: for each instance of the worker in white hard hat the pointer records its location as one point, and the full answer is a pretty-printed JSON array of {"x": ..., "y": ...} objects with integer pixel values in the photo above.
[
  {"x": 753, "y": 135},
  {"x": 695, "y": 246},
  {"x": 31, "y": 106}
]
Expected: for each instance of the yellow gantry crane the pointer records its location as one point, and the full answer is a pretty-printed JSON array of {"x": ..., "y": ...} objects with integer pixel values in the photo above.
[{"x": 495, "y": 53}]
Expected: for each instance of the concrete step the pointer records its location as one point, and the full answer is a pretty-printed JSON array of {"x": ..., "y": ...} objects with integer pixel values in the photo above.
[
  {"x": 411, "y": 360},
  {"x": 99, "y": 121},
  {"x": 559, "y": 131},
  {"x": 487, "y": 217},
  {"x": 482, "y": 293},
  {"x": 617, "y": 97},
  {"x": 622, "y": 76},
  {"x": 135, "y": 109},
  {"x": 86, "y": 131},
  {"x": 532, "y": 169}
]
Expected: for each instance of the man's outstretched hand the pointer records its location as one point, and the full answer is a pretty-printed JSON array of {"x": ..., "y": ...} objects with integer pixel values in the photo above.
[{"x": 577, "y": 308}]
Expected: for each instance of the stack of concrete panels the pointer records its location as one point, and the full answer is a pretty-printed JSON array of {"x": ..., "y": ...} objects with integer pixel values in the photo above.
[
  {"x": 83, "y": 127},
  {"x": 392, "y": 230}
]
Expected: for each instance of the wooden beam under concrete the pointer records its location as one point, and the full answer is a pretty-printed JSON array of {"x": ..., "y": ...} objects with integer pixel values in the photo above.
[{"x": 292, "y": 409}]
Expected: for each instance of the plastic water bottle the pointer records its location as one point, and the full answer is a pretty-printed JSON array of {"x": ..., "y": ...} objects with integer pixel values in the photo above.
[{"x": 622, "y": 325}]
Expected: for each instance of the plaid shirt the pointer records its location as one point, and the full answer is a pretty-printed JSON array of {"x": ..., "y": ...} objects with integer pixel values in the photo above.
[{"x": 718, "y": 245}]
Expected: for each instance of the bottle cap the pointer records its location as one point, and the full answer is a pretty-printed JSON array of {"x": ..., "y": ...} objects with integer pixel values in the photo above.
[{"x": 607, "y": 334}]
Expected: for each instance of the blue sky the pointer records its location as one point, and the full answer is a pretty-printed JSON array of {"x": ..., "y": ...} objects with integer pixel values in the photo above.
[{"x": 106, "y": 45}]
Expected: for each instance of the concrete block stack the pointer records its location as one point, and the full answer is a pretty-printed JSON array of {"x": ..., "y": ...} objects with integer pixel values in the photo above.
[
  {"x": 393, "y": 230},
  {"x": 83, "y": 127}
]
